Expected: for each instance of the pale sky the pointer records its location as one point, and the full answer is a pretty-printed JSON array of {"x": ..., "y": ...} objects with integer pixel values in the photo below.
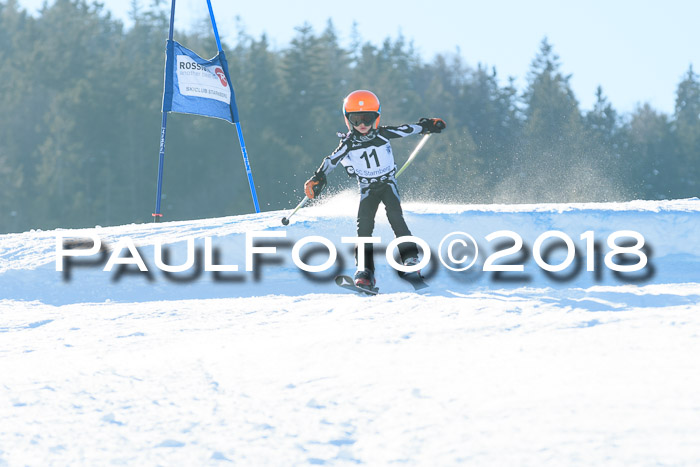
[{"x": 638, "y": 51}]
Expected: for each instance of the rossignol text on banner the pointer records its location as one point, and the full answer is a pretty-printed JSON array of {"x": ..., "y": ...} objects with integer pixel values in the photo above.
[{"x": 194, "y": 85}]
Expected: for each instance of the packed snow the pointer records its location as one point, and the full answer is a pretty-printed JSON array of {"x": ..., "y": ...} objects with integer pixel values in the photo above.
[{"x": 277, "y": 366}]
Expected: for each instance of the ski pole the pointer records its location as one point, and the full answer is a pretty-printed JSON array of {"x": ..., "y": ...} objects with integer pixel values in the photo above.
[
  {"x": 285, "y": 220},
  {"x": 413, "y": 154}
]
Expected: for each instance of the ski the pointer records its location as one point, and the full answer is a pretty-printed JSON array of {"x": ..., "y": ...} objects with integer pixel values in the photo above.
[
  {"x": 347, "y": 283},
  {"x": 415, "y": 279}
]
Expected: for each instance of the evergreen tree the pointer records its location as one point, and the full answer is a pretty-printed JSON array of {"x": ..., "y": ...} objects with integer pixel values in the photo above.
[
  {"x": 604, "y": 145},
  {"x": 648, "y": 150},
  {"x": 301, "y": 68},
  {"x": 445, "y": 158},
  {"x": 551, "y": 111},
  {"x": 472, "y": 155},
  {"x": 555, "y": 163},
  {"x": 686, "y": 133},
  {"x": 258, "y": 92},
  {"x": 332, "y": 81},
  {"x": 129, "y": 165},
  {"x": 73, "y": 45},
  {"x": 388, "y": 71},
  {"x": 491, "y": 114},
  {"x": 19, "y": 128},
  {"x": 602, "y": 122}
]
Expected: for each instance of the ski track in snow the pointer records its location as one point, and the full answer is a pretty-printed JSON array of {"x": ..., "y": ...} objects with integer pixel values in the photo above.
[{"x": 286, "y": 371}]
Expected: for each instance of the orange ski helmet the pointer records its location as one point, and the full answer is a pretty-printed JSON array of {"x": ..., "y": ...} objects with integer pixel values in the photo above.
[{"x": 361, "y": 101}]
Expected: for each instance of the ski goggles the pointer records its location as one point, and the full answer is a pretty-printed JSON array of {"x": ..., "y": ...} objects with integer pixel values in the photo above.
[{"x": 357, "y": 118}]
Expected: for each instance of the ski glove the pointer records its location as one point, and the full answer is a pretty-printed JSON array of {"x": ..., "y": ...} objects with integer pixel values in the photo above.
[
  {"x": 315, "y": 185},
  {"x": 432, "y": 125}
]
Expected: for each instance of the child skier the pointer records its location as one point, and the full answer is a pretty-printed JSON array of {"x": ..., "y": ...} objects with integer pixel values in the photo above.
[{"x": 365, "y": 152}]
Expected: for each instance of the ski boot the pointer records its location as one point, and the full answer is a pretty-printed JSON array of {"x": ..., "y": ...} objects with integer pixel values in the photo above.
[
  {"x": 364, "y": 278},
  {"x": 412, "y": 261},
  {"x": 414, "y": 278}
]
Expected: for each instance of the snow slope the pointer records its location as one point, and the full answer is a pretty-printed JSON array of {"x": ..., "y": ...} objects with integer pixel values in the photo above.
[{"x": 276, "y": 368}]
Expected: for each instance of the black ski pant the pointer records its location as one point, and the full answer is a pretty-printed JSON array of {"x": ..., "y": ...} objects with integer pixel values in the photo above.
[{"x": 372, "y": 196}]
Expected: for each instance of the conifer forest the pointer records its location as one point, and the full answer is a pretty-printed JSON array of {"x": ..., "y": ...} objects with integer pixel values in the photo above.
[{"x": 80, "y": 116}]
